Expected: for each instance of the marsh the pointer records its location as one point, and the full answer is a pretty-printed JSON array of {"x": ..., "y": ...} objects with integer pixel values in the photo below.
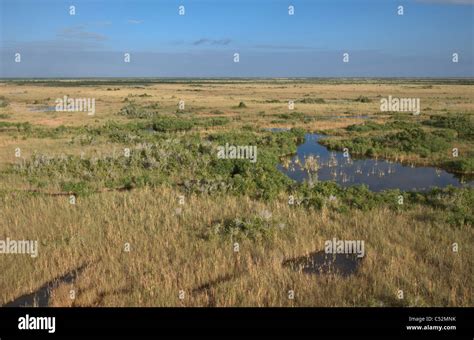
[{"x": 377, "y": 174}]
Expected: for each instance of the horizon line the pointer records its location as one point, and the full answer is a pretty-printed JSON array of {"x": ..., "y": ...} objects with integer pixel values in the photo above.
[{"x": 233, "y": 78}]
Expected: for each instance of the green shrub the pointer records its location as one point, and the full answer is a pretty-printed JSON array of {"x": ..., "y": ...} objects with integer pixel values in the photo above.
[
  {"x": 372, "y": 126},
  {"x": 3, "y": 101},
  {"x": 362, "y": 99},
  {"x": 292, "y": 116},
  {"x": 132, "y": 110},
  {"x": 78, "y": 188},
  {"x": 254, "y": 228},
  {"x": 463, "y": 165},
  {"x": 409, "y": 140},
  {"x": 218, "y": 121},
  {"x": 170, "y": 124},
  {"x": 462, "y": 124},
  {"x": 20, "y": 127},
  {"x": 311, "y": 101}
]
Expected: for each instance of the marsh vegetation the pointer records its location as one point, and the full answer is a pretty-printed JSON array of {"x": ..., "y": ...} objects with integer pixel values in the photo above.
[{"x": 146, "y": 174}]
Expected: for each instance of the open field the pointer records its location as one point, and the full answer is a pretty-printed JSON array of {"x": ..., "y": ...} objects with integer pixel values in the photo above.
[{"x": 157, "y": 216}]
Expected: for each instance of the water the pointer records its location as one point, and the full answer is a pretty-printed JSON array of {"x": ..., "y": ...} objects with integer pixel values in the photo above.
[
  {"x": 42, "y": 108},
  {"x": 376, "y": 174}
]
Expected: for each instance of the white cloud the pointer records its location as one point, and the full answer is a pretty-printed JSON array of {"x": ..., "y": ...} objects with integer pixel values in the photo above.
[
  {"x": 206, "y": 41},
  {"x": 79, "y": 33}
]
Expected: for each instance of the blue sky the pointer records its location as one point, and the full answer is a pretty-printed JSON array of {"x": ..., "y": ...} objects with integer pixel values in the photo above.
[{"x": 270, "y": 42}]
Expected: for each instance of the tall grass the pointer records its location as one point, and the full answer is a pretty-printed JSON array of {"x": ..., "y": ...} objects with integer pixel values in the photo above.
[{"x": 168, "y": 252}]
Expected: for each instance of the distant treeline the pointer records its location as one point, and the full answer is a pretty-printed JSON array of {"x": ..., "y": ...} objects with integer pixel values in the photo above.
[{"x": 149, "y": 81}]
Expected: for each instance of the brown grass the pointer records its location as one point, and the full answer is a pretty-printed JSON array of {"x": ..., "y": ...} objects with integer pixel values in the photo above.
[{"x": 407, "y": 251}]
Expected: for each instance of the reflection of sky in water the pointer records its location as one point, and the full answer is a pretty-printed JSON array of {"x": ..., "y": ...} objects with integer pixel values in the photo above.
[
  {"x": 376, "y": 174},
  {"x": 42, "y": 108}
]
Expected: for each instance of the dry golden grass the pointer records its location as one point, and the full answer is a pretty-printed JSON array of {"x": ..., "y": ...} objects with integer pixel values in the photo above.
[
  {"x": 224, "y": 97},
  {"x": 407, "y": 251}
]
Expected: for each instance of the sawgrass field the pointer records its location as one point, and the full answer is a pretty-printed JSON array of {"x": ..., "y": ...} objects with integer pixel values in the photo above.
[{"x": 130, "y": 206}]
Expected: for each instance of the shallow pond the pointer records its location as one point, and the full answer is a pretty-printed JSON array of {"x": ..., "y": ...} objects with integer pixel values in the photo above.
[
  {"x": 42, "y": 108},
  {"x": 376, "y": 174}
]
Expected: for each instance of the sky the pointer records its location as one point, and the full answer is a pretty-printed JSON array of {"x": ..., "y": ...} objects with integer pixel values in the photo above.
[{"x": 269, "y": 41}]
